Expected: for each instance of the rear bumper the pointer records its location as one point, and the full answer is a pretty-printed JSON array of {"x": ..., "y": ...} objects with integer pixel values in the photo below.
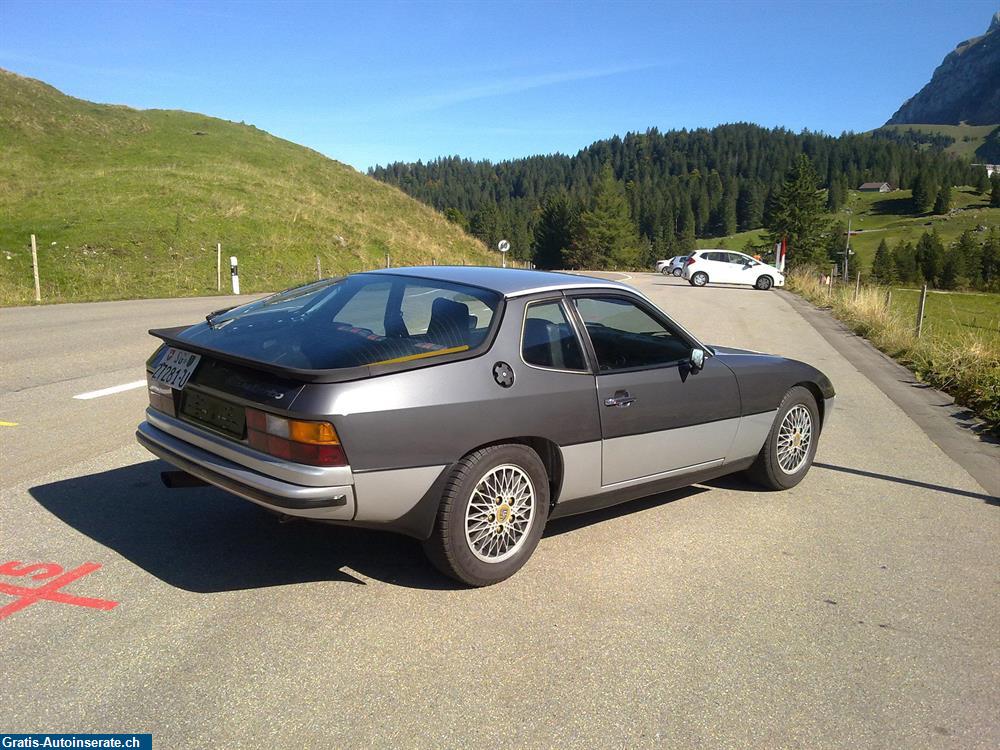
[{"x": 329, "y": 503}]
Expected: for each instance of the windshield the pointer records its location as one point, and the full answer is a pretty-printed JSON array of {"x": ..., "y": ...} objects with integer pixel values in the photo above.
[{"x": 358, "y": 320}]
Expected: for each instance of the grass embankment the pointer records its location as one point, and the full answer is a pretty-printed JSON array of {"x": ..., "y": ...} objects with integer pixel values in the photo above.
[
  {"x": 128, "y": 203},
  {"x": 964, "y": 363}
]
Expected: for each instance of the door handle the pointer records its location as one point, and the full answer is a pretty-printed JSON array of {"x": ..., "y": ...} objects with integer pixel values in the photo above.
[{"x": 621, "y": 399}]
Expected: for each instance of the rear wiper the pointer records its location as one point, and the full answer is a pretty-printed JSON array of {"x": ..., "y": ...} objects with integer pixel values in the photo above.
[{"x": 210, "y": 318}]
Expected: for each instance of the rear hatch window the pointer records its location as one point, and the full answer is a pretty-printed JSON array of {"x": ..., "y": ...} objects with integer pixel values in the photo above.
[{"x": 363, "y": 320}]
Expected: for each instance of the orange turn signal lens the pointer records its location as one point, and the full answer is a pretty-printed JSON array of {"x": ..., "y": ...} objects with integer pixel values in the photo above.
[{"x": 314, "y": 433}]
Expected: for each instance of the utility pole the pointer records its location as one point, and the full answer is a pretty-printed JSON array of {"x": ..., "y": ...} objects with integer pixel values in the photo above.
[{"x": 847, "y": 249}]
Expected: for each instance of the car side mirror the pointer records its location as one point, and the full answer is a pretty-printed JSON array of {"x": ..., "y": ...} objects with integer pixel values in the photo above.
[{"x": 697, "y": 359}]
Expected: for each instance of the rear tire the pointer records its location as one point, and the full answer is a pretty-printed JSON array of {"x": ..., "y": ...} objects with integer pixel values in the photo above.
[
  {"x": 677, "y": 272},
  {"x": 492, "y": 514},
  {"x": 790, "y": 447},
  {"x": 764, "y": 283},
  {"x": 665, "y": 270},
  {"x": 699, "y": 279}
]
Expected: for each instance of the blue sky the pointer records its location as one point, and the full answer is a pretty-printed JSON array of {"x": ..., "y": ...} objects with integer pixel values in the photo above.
[{"x": 375, "y": 82}]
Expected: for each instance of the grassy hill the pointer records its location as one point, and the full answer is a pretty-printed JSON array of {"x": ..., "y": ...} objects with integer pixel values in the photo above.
[
  {"x": 968, "y": 138},
  {"x": 890, "y": 216},
  {"x": 128, "y": 203}
]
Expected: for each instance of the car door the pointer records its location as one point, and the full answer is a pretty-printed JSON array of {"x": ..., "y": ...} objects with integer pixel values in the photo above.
[
  {"x": 732, "y": 267},
  {"x": 746, "y": 269},
  {"x": 719, "y": 270},
  {"x": 658, "y": 415}
]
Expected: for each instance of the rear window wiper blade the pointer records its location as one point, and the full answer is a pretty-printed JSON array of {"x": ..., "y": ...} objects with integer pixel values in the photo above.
[{"x": 210, "y": 318}]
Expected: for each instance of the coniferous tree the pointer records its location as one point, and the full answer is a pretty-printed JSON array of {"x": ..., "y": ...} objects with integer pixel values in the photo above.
[
  {"x": 554, "y": 232},
  {"x": 924, "y": 192},
  {"x": 485, "y": 224},
  {"x": 971, "y": 254},
  {"x": 686, "y": 228},
  {"x": 942, "y": 203},
  {"x": 749, "y": 206},
  {"x": 981, "y": 180},
  {"x": 607, "y": 236},
  {"x": 951, "y": 271},
  {"x": 455, "y": 216},
  {"x": 665, "y": 170},
  {"x": 834, "y": 197},
  {"x": 930, "y": 256},
  {"x": 836, "y": 241},
  {"x": 727, "y": 214},
  {"x": 884, "y": 265},
  {"x": 905, "y": 255},
  {"x": 798, "y": 214},
  {"x": 995, "y": 191},
  {"x": 990, "y": 263}
]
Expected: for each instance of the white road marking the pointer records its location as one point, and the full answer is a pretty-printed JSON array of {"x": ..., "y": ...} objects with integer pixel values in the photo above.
[{"x": 108, "y": 391}]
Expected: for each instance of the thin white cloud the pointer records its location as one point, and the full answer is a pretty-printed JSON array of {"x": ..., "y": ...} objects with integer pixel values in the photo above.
[{"x": 512, "y": 85}]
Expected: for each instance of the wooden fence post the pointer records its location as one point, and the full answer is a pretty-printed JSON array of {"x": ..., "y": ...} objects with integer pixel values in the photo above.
[
  {"x": 387, "y": 260},
  {"x": 920, "y": 310},
  {"x": 34, "y": 268}
]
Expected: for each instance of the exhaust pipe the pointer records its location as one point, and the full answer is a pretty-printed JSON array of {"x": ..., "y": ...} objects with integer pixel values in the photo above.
[{"x": 177, "y": 479}]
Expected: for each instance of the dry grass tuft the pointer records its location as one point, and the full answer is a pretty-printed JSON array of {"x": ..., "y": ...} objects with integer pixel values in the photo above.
[{"x": 963, "y": 365}]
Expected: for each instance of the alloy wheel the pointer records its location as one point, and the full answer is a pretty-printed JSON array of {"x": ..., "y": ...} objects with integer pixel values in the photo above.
[
  {"x": 794, "y": 439},
  {"x": 500, "y": 513}
]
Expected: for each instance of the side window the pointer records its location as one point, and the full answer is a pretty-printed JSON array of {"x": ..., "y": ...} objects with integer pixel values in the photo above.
[
  {"x": 366, "y": 309},
  {"x": 444, "y": 316},
  {"x": 548, "y": 339},
  {"x": 626, "y": 336}
]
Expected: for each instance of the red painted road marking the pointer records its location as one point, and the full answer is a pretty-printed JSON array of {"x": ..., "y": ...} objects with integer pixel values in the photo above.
[{"x": 50, "y": 591}]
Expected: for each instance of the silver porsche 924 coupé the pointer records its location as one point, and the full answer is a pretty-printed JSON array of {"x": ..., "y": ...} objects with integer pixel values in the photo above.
[{"x": 466, "y": 406}]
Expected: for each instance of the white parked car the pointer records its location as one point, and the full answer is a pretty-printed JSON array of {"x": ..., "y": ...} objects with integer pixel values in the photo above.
[
  {"x": 671, "y": 266},
  {"x": 729, "y": 267}
]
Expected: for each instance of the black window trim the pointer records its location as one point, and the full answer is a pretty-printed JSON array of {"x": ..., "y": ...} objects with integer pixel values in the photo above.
[{"x": 650, "y": 310}]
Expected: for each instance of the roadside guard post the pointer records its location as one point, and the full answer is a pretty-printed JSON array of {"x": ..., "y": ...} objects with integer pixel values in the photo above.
[{"x": 235, "y": 271}]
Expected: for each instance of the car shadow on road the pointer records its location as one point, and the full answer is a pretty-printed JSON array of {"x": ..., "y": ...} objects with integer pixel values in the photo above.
[
  {"x": 204, "y": 540},
  {"x": 989, "y": 499},
  {"x": 558, "y": 526}
]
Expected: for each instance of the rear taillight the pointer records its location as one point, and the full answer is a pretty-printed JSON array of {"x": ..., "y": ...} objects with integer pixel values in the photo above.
[
  {"x": 295, "y": 440},
  {"x": 161, "y": 396},
  {"x": 689, "y": 261}
]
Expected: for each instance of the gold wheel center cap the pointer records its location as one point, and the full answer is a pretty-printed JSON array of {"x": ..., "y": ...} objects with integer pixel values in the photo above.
[{"x": 503, "y": 513}]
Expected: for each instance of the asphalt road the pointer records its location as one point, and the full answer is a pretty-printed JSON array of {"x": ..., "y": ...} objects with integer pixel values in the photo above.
[{"x": 859, "y": 609}]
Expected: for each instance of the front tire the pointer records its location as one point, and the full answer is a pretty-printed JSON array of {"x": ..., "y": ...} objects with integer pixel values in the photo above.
[
  {"x": 764, "y": 283},
  {"x": 665, "y": 270},
  {"x": 790, "y": 447},
  {"x": 492, "y": 514},
  {"x": 677, "y": 272},
  {"x": 699, "y": 279}
]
